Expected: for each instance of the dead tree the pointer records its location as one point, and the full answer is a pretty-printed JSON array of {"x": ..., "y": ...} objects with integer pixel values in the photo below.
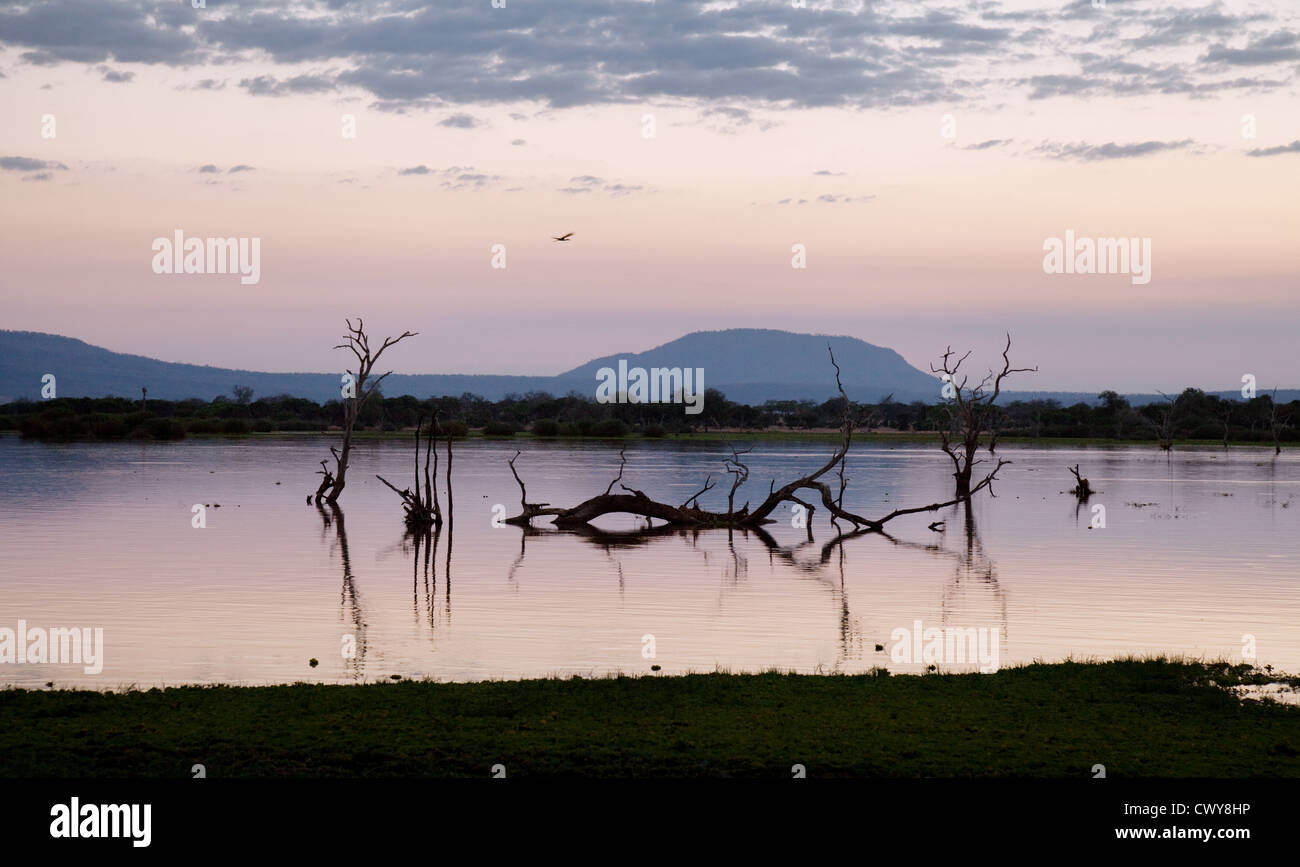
[
  {"x": 355, "y": 395},
  {"x": 689, "y": 514},
  {"x": 423, "y": 509},
  {"x": 1275, "y": 423},
  {"x": 1163, "y": 424},
  {"x": 972, "y": 413},
  {"x": 1081, "y": 489}
]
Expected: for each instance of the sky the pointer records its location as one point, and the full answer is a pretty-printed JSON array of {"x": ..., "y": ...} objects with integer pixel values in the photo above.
[{"x": 921, "y": 153}]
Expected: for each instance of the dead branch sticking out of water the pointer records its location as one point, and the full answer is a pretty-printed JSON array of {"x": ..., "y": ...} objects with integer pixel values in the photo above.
[
  {"x": 355, "y": 396},
  {"x": 423, "y": 508},
  {"x": 1081, "y": 489},
  {"x": 972, "y": 413}
]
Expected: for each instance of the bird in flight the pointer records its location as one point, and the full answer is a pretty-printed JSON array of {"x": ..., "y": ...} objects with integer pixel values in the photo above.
[{"x": 566, "y": 236}]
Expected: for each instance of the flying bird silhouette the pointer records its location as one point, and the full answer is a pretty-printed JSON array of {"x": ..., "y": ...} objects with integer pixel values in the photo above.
[{"x": 566, "y": 236}]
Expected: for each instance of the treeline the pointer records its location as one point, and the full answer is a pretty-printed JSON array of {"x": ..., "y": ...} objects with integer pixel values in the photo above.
[{"x": 1192, "y": 415}]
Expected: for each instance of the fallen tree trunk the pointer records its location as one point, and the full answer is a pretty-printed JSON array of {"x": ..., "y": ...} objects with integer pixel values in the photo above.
[{"x": 689, "y": 514}]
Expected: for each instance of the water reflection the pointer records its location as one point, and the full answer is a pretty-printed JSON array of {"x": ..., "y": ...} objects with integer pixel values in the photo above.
[
  {"x": 972, "y": 595},
  {"x": 349, "y": 600},
  {"x": 1199, "y": 549}
]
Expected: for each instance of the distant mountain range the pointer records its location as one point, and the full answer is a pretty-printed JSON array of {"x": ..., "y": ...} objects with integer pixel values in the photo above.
[{"x": 749, "y": 365}]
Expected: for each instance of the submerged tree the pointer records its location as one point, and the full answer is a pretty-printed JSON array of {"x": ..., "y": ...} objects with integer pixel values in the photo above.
[
  {"x": 423, "y": 508},
  {"x": 1275, "y": 423},
  {"x": 690, "y": 514},
  {"x": 972, "y": 413},
  {"x": 357, "y": 389},
  {"x": 1166, "y": 417},
  {"x": 1081, "y": 488}
]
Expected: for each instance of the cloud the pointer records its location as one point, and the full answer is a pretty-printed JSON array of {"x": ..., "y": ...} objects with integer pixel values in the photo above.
[
  {"x": 240, "y": 168},
  {"x": 28, "y": 164},
  {"x": 1293, "y": 148},
  {"x": 208, "y": 169},
  {"x": 1279, "y": 47},
  {"x": 266, "y": 85},
  {"x": 126, "y": 31},
  {"x": 461, "y": 121},
  {"x": 985, "y": 145},
  {"x": 827, "y": 199},
  {"x": 592, "y": 184},
  {"x": 1110, "y": 150},
  {"x": 466, "y": 180},
  {"x": 730, "y": 60},
  {"x": 827, "y": 173},
  {"x": 454, "y": 177},
  {"x": 39, "y": 176},
  {"x": 203, "y": 84},
  {"x": 730, "y": 119},
  {"x": 517, "y": 142},
  {"x": 116, "y": 76}
]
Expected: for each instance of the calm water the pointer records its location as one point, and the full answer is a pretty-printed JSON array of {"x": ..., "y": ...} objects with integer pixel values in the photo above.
[{"x": 1199, "y": 549}]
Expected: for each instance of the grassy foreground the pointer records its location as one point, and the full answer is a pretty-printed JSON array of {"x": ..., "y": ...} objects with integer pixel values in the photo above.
[{"x": 1136, "y": 717}]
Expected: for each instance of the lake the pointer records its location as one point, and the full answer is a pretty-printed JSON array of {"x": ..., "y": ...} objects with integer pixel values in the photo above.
[{"x": 1200, "y": 549}]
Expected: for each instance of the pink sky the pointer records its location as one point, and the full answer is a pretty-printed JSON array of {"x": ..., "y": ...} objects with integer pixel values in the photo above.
[{"x": 1123, "y": 122}]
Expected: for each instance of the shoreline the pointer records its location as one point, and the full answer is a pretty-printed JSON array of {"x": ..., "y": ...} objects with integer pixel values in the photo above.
[
  {"x": 1154, "y": 717},
  {"x": 724, "y": 435}
]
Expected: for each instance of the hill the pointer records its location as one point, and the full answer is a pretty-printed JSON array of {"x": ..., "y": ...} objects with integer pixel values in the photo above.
[{"x": 749, "y": 365}]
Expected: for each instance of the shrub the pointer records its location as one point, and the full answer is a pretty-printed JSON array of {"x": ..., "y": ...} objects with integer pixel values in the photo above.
[
  {"x": 610, "y": 427},
  {"x": 297, "y": 424},
  {"x": 654, "y": 430},
  {"x": 545, "y": 427},
  {"x": 109, "y": 427},
  {"x": 236, "y": 426},
  {"x": 54, "y": 424},
  {"x": 263, "y": 425},
  {"x": 455, "y": 428},
  {"x": 33, "y": 427},
  {"x": 159, "y": 429},
  {"x": 499, "y": 429}
]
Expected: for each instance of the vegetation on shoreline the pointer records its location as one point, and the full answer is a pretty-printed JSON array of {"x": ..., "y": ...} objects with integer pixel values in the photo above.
[
  {"x": 1192, "y": 418},
  {"x": 1150, "y": 717}
]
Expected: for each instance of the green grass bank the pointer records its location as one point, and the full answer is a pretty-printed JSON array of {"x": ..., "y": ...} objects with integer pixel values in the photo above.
[{"x": 1140, "y": 718}]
